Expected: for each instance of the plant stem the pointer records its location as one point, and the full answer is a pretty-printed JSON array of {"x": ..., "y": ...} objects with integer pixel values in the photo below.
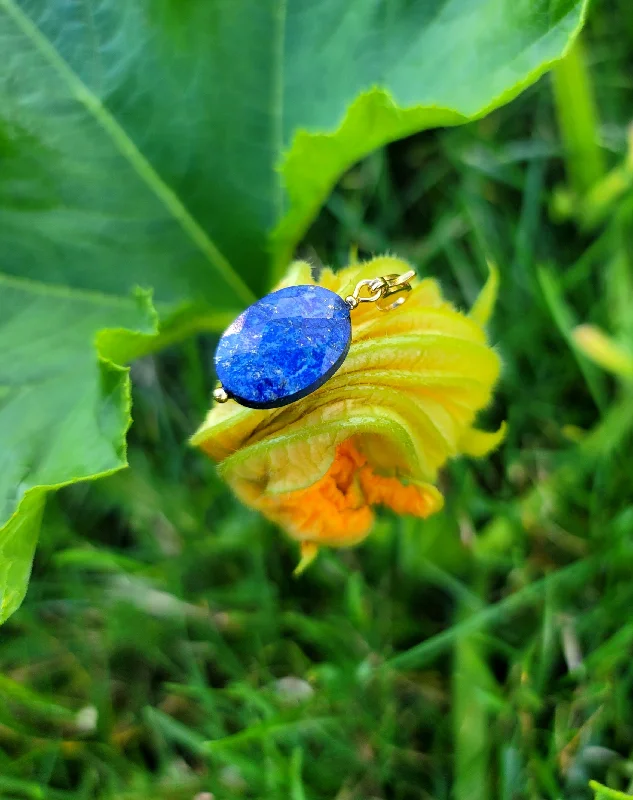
[{"x": 578, "y": 120}]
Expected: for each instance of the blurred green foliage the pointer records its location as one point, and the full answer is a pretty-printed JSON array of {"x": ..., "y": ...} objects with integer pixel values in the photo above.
[
  {"x": 159, "y": 163},
  {"x": 164, "y": 649}
]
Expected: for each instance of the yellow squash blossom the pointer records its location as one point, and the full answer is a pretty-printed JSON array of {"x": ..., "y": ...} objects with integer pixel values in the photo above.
[{"x": 403, "y": 402}]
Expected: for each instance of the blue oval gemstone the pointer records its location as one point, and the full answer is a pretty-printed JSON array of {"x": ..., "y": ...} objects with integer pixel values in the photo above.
[{"x": 284, "y": 346}]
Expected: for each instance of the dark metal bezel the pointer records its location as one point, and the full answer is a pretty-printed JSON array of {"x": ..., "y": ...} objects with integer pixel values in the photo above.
[{"x": 298, "y": 395}]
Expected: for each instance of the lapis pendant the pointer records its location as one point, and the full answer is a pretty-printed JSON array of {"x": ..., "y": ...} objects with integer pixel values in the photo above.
[
  {"x": 284, "y": 346},
  {"x": 289, "y": 343}
]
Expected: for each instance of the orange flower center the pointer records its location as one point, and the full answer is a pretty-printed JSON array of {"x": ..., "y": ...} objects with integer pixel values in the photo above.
[{"x": 336, "y": 510}]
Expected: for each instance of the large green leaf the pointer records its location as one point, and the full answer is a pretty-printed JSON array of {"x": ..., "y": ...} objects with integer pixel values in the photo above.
[{"x": 184, "y": 146}]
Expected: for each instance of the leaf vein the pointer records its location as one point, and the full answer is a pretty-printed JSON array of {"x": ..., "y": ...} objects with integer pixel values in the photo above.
[{"x": 128, "y": 149}]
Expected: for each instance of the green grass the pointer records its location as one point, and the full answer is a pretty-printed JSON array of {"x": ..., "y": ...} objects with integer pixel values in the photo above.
[{"x": 165, "y": 650}]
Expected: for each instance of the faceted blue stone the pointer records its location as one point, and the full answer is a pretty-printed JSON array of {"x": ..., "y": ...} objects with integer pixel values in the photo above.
[{"x": 284, "y": 346}]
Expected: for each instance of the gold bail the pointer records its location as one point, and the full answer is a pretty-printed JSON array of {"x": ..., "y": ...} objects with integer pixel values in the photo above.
[
  {"x": 396, "y": 291},
  {"x": 388, "y": 291}
]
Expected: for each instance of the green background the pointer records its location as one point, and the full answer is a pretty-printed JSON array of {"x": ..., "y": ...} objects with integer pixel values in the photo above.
[{"x": 149, "y": 180}]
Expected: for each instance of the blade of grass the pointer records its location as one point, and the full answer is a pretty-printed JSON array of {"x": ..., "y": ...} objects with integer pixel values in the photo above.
[
  {"x": 423, "y": 653},
  {"x": 297, "y": 791},
  {"x": 472, "y": 680},
  {"x": 565, "y": 322}
]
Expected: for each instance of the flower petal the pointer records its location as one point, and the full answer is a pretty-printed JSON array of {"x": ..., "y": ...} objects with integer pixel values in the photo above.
[
  {"x": 485, "y": 303},
  {"x": 294, "y": 459},
  {"x": 479, "y": 443}
]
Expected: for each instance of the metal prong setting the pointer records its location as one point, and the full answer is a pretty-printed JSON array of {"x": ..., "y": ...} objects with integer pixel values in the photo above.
[{"x": 220, "y": 395}]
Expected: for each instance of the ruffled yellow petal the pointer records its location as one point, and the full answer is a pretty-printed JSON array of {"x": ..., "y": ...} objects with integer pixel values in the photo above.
[
  {"x": 485, "y": 303},
  {"x": 377, "y": 433},
  {"x": 479, "y": 443}
]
